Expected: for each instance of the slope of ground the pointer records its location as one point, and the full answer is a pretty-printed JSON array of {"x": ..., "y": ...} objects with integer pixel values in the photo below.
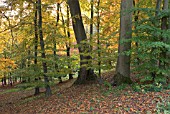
[{"x": 82, "y": 99}]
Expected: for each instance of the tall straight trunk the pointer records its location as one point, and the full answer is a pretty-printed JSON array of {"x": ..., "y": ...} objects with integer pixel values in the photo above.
[
  {"x": 55, "y": 46},
  {"x": 98, "y": 37},
  {"x": 136, "y": 18},
  {"x": 168, "y": 41},
  {"x": 91, "y": 24},
  {"x": 123, "y": 61},
  {"x": 79, "y": 31},
  {"x": 37, "y": 89},
  {"x": 44, "y": 64},
  {"x": 155, "y": 62},
  {"x": 69, "y": 44},
  {"x": 164, "y": 26},
  {"x": 91, "y": 32},
  {"x": 68, "y": 35}
]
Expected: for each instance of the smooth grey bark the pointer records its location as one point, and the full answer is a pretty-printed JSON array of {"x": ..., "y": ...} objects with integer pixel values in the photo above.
[
  {"x": 123, "y": 62},
  {"x": 44, "y": 64},
  {"x": 79, "y": 31}
]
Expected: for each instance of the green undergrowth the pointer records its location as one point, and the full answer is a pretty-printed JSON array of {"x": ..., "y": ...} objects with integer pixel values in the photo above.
[
  {"x": 163, "y": 106},
  {"x": 155, "y": 87},
  {"x": 117, "y": 90}
]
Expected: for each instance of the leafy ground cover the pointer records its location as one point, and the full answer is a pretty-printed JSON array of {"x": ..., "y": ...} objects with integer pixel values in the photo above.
[{"x": 83, "y": 99}]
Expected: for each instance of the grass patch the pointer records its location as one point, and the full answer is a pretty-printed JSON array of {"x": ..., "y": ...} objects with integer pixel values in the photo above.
[{"x": 10, "y": 90}]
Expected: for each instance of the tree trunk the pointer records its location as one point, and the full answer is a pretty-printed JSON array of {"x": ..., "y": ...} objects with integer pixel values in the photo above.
[
  {"x": 155, "y": 62},
  {"x": 37, "y": 89},
  {"x": 44, "y": 64},
  {"x": 29, "y": 62},
  {"x": 168, "y": 41},
  {"x": 136, "y": 18},
  {"x": 165, "y": 54},
  {"x": 98, "y": 37},
  {"x": 164, "y": 26},
  {"x": 91, "y": 24},
  {"x": 123, "y": 62},
  {"x": 68, "y": 44},
  {"x": 79, "y": 31},
  {"x": 68, "y": 35},
  {"x": 4, "y": 79},
  {"x": 158, "y": 7},
  {"x": 68, "y": 47},
  {"x": 10, "y": 80},
  {"x": 55, "y": 48}
]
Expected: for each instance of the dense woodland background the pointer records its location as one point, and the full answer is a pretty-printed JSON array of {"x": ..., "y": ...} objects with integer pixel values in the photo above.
[{"x": 102, "y": 43}]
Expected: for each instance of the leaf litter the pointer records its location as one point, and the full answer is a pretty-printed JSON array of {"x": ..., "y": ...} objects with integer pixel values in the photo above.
[{"x": 81, "y": 99}]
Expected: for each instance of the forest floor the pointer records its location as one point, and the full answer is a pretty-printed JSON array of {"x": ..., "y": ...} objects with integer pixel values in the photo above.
[{"x": 81, "y": 99}]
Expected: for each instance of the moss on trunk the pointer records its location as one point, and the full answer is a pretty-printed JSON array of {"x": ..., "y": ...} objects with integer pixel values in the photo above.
[{"x": 119, "y": 79}]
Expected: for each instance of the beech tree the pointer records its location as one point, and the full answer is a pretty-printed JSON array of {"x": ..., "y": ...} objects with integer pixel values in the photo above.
[
  {"x": 44, "y": 64},
  {"x": 69, "y": 43},
  {"x": 37, "y": 89},
  {"x": 164, "y": 26},
  {"x": 79, "y": 31},
  {"x": 123, "y": 62}
]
